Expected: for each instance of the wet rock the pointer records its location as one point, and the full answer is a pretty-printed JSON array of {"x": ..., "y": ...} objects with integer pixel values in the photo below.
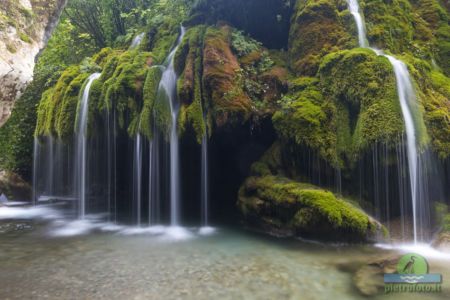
[
  {"x": 14, "y": 187},
  {"x": 442, "y": 242}
]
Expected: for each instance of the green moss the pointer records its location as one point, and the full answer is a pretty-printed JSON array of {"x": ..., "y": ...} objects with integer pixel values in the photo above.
[
  {"x": 65, "y": 124},
  {"x": 363, "y": 87},
  {"x": 446, "y": 223},
  {"x": 24, "y": 37},
  {"x": 304, "y": 119},
  {"x": 270, "y": 163},
  {"x": 44, "y": 104},
  {"x": 103, "y": 56},
  {"x": 124, "y": 89},
  {"x": 150, "y": 94},
  {"x": 163, "y": 117},
  {"x": 305, "y": 208},
  {"x": 317, "y": 29},
  {"x": 49, "y": 111}
]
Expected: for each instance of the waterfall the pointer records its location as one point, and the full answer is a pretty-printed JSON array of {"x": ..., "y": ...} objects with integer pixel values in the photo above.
[
  {"x": 81, "y": 145},
  {"x": 50, "y": 166},
  {"x": 137, "y": 191},
  {"x": 353, "y": 6},
  {"x": 111, "y": 164},
  {"x": 205, "y": 181},
  {"x": 408, "y": 103},
  {"x": 137, "y": 41},
  {"x": 36, "y": 154},
  {"x": 154, "y": 194},
  {"x": 168, "y": 85}
]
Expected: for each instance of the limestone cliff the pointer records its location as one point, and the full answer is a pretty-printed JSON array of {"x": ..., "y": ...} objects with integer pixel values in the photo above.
[{"x": 25, "y": 27}]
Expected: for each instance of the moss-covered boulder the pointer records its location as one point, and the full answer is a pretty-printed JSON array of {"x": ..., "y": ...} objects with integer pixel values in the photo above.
[
  {"x": 282, "y": 206},
  {"x": 317, "y": 28}
]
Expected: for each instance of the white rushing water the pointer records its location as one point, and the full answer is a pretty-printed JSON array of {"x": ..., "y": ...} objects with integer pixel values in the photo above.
[
  {"x": 36, "y": 152},
  {"x": 407, "y": 99},
  {"x": 154, "y": 178},
  {"x": 81, "y": 145},
  {"x": 205, "y": 183},
  {"x": 353, "y": 6},
  {"x": 137, "y": 41},
  {"x": 138, "y": 176},
  {"x": 169, "y": 84},
  {"x": 408, "y": 102}
]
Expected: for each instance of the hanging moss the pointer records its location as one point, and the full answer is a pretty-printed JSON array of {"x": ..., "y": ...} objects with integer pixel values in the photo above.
[
  {"x": 305, "y": 120},
  {"x": 42, "y": 114},
  {"x": 150, "y": 94},
  {"x": 364, "y": 86},
  {"x": 65, "y": 123},
  {"x": 49, "y": 109},
  {"x": 162, "y": 114},
  {"x": 124, "y": 89},
  {"x": 189, "y": 86}
]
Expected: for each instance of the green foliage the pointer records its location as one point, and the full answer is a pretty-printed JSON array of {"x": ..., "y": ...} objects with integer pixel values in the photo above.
[
  {"x": 66, "y": 47},
  {"x": 150, "y": 94},
  {"x": 243, "y": 45}
]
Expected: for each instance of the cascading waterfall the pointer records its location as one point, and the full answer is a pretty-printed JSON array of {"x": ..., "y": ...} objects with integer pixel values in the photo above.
[
  {"x": 36, "y": 154},
  {"x": 154, "y": 175},
  {"x": 89, "y": 175},
  {"x": 353, "y": 7},
  {"x": 137, "y": 41},
  {"x": 111, "y": 163},
  {"x": 205, "y": 181},
  {"x": 138, "y": 177},
  {"x": 408, "y": 103},
  {"x": 81, "y": 145},
  {"x": 138, "y": 149},
  {"x": 168, "y": 86}
]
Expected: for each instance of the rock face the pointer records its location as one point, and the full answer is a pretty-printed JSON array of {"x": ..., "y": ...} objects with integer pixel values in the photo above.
[{"x": 25, "y": 27}]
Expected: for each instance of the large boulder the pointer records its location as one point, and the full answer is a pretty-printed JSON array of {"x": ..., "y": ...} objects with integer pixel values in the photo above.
[{"x": 285, "y": 207}]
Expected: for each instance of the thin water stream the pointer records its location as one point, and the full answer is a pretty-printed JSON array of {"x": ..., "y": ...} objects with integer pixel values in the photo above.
[{"x": 408, "y": 103}]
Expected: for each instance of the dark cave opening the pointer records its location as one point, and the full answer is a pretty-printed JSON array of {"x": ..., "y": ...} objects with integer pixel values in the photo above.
[{"x": 267, "y": 21}]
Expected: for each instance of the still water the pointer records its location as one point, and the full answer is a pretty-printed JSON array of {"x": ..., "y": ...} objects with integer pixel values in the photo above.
[{"x": 42, "y": 256}]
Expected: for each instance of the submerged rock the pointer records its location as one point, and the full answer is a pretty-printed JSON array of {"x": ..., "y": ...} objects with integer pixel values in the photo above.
[{"x": 368, "y": 279}]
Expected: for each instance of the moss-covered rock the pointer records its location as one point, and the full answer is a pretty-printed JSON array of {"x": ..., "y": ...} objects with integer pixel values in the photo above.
[
  {"x": 317, "y": 28},
  {"x": 188, "y": 63},
  {"x": 221, "y": 70},
  {"x": 352, "y": 105},
  {"x": 278, "y": 204},
  {"x": 49, "y": 110}
]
